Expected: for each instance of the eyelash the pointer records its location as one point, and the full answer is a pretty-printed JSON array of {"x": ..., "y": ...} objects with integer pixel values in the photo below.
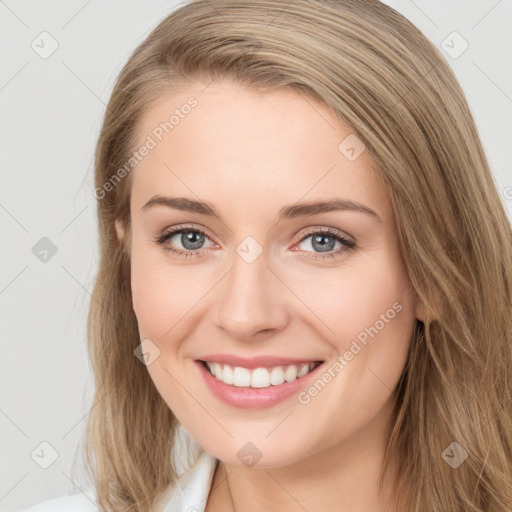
[{"x": 347, "y": 244}]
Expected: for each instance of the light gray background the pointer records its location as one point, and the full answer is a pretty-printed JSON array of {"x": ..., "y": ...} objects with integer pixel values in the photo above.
[{"x": 51, "y": 111}]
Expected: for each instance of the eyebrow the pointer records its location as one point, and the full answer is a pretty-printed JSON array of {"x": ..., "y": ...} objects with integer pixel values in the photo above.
[{"x": 287, "y": 212}]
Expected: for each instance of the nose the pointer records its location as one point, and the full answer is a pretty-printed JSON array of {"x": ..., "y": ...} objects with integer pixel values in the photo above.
[{"x": 251, "y": 300}]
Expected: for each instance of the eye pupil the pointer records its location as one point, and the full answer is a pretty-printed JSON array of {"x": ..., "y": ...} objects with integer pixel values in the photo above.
[
  {"x": 192, "y": 237},
  {"x": 323, "y": 246}
]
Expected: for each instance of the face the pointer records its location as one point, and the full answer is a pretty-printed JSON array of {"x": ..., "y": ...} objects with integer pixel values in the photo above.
[{"x": 267, "y": 274}]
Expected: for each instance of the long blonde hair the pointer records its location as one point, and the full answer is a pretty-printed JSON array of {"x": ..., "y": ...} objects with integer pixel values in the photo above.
[{"x": 379, "y": 74}]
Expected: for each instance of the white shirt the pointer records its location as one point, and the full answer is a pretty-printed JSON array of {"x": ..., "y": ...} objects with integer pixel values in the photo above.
[{"x": 188, "y": 495}]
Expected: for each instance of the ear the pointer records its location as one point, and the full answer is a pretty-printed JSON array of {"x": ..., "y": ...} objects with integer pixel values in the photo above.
[
  {"x": 119, "y": 229},
  {"x": 420, "y": 310}
]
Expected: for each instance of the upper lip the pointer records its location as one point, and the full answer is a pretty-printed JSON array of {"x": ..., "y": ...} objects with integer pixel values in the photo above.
[{"x": 255, "y": 362}]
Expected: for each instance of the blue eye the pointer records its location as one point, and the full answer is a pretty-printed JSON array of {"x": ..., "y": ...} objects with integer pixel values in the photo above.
[
  {"x": 192, "y": 240},
  {"x": 324, "y": 241}
]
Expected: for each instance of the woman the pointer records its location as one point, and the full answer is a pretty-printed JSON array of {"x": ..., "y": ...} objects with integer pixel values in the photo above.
[{"x": 305, "y": 265}]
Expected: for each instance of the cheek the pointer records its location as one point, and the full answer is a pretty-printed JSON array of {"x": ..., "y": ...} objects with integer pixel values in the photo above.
[
  {"x": 365, "y": 311},
  {"x": 168, "y": 297},
  {"x": 161, "y": 299},
  {"x": 375, "y": 330},
  {"x": 377, "y": 307},
  {"x": 370, "y": 315},
  {"x": 348, "y": 301},
  {"x": 165, "y": 301},
  {"x": 156, "y": 301}
]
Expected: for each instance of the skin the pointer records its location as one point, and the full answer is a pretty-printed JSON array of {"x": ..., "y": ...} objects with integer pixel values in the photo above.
[{"x": 249, "y": 154}]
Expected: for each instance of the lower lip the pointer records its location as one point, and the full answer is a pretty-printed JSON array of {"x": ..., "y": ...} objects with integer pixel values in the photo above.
[{"x": 253, "y": 398}]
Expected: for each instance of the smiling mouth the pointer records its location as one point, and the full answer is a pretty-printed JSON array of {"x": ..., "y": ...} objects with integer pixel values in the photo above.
[{"x": 261, "y": 377}]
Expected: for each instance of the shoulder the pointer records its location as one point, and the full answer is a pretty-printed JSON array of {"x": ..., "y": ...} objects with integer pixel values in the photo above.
[
  {"x": 72, "y": 503},
  {"x": 189, "y": 492}
]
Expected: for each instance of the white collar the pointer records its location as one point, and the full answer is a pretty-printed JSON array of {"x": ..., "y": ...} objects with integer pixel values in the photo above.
[{"x": 190, "y": 491}]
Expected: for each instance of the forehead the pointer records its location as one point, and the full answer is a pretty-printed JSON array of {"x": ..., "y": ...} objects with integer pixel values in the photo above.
[{"x": 227, "y": 140}]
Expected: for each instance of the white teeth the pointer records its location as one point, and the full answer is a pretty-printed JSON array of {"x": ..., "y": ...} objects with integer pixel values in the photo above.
[
  {"x": 290, "y": 373},
  {"x": 216, "y": 369},
  {"x": 227, "y": 375},
  {"x": 303, "y": 370},
  {"x": 241, "y": 377},
  {"x": 276, "y": 376},
  {"x": 259, "y": 377}
]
